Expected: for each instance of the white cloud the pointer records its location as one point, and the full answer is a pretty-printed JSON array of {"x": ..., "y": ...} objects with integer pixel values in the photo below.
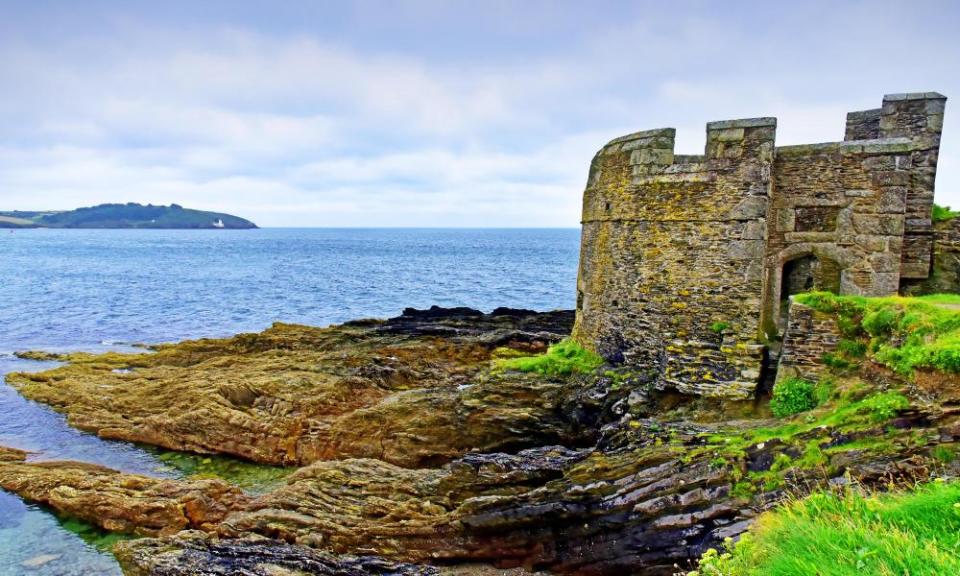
[{"x": 301, "y": 129}]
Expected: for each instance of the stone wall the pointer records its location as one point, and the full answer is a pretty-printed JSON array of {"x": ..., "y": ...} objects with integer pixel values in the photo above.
[
  {"x": 918, "y": 117},
  {"x": 841, "y": 205},
  {"x": 945, "y": 272},
  {"x": 671, "y": 256},
  {"x": 859, "y": 208},
  {"x": 683, "y": 258},
  {"x": 809, "y": 336}
]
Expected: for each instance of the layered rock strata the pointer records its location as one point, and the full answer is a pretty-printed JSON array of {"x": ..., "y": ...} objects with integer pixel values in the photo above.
[
  {"x": 200, "y": 554},
  {"x": 413, "y": 390},
  {"x": 661, "y": 478},
  {"x": 128, "y": 503}
]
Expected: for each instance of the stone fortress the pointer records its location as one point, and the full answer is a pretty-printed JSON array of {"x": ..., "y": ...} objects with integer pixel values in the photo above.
[{"x": 687, "y": 262}]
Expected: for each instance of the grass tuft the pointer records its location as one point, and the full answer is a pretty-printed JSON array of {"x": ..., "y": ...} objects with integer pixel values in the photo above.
[
  {"x": 564, "y": 357},
  {"x": 943, "y": 213},
  {"x": 718, "y": 327},
  {"x": 792, "y": 396},
  {"x": 915, "y": 532}
]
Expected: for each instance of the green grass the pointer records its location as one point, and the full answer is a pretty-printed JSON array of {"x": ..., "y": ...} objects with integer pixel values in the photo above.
[
  {"x": 915, "y": 532},
  {"x": 792, "y": 396},
  {"x": 943, "y": 213},
  {"x": 943, "y": 453},
  {"x": 840, "y": 412},
  {"x": 563, "y": 358},
  {"x": 719, "y": 327},
  {"x": 903, "y": 333}
]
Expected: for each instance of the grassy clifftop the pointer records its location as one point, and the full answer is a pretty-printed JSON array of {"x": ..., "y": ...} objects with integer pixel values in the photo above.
[
  {"x": 902, "y": 333},
  {"x": 910, "y": 530},
  {"x": 913, "y": 532},
  {"x": 130, "y": 215}
]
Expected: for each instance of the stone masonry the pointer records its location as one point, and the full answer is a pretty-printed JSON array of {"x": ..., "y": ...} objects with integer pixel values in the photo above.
[
  {"x": 687, "y": 262},
  {"x": 809, "y": 336},
  {"x": 945, "y": 272}
]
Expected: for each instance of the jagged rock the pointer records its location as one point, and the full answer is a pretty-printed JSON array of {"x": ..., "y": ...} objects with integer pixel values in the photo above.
[
  {"x": 200, "y": 554},
  {"x": 120, "y": 502},
  {"x": 447, "y": 477},
  {"x": 565, "y": 510},
  {"x": 649, "y": 496},
  {"x": 414, "y": 390}
]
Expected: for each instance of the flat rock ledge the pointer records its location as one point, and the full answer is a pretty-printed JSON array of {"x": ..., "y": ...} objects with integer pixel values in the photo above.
[
  {"x": 416, "y": 390},
  {"x": 128, "y": 503}
]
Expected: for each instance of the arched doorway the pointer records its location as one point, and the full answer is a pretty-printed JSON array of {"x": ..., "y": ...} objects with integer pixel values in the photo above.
[{"x": 803, "y": 274}]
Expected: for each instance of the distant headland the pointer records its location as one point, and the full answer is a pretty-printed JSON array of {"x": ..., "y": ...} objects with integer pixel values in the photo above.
[{"x": 129, "y": 215}]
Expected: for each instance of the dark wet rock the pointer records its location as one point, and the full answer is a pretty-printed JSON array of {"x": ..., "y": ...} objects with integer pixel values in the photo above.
[
  {"x": 435, "y": 312},
  {"x": 760, "y": 457},
  {"x": 504, "y": 311},
  {"x": 200, "y": 554},
  {"x": 497, "y": 328},
  {"x": 838, "y": 439}
]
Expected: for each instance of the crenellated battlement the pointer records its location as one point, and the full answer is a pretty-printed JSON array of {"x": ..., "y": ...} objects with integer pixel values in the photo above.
[{"x": 687, "y": 260}]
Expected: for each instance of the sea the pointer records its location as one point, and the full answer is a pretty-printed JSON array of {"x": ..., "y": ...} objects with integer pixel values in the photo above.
[{"x": 100, "y": 290}]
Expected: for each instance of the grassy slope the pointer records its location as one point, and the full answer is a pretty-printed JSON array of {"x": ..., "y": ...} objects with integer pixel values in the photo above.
[
  {"x": 912, "y": 533},
  {"x": 904, "y": 334}
]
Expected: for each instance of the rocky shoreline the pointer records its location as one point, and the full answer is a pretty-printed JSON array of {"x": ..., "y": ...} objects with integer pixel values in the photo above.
[{"x": 417, "y": 453}]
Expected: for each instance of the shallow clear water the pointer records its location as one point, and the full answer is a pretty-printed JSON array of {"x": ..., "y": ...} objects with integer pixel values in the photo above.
[{"x": 104, "y": 289}]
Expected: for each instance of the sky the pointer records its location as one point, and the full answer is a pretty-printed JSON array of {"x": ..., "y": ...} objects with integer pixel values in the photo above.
[{"x": 424, "y": 113}]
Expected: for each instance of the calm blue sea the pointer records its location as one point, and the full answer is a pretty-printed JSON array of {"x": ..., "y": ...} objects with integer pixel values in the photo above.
[{"x": 105, "y": 289}]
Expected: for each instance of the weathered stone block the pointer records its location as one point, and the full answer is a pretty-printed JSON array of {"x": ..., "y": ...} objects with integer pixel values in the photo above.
[
  {"x": 885, "y": 262},
  {"x": 729, "y": 135},
  {"x": 651, "y": 156},
  {"x": 756, "y": 230},
  {"x": 750, "y": 208},
  {"x": 871, "y": 242},
  {"x": 892, "y": 200},
  {"x": 882, "y": 224},
  {"x": 745, "y": 249},
  {"x": 786, "y": 220}
]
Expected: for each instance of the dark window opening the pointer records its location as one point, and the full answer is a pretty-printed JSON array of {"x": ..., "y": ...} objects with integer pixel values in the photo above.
[{"x": 803, "y": 275}]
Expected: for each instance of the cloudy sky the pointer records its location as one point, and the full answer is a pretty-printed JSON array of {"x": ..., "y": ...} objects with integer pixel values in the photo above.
[{"x": 425, "y": 113}]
